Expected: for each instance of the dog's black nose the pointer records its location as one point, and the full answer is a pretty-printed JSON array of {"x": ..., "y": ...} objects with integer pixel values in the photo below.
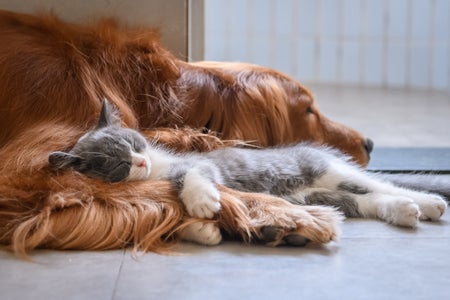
[{"x": 368, "y": 145}]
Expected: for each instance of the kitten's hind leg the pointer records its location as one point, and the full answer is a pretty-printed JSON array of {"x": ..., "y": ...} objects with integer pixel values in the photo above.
[
  {"x": 399, "y": 206},
  {"x": 343, "y": 201},
  {"x": 397, "y": 210},
  {"x": 202, "y": 232},
  {"x": 394, "y": 209},
  {"x": 375, "y": 198},
  {"x": 432, "y": 206}
]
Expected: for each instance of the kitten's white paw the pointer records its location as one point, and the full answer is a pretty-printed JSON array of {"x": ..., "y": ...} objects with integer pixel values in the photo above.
[
  {"x": 201, "y": 202},
  {"x": 432, "y": 206},
  {"x": 401, "y": 211},
  {"x": 202, "y": 233}
]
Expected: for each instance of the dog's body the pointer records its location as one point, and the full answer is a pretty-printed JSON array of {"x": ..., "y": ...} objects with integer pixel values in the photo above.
[
  {"x": 52, "y": 75},
  {"x": 51, "y": 71}
]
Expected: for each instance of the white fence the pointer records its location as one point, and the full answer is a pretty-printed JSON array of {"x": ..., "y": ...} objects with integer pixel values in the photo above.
[{"x": 398, "y": 43}]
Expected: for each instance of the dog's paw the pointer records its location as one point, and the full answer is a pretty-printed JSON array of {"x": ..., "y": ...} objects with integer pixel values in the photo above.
[
  {"x": 432, "y": 206},
  {"x": 201, "y": 202},
  {"x": 271, "y": 234},
  {"x": 400, "y": 211},
  {"x": 315, "y": 224},
  {"x": 205, "y": 233},
  {"x": 296, "y": 240}
]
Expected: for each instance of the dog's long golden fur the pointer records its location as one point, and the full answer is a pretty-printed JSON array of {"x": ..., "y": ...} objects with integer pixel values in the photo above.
[{"x": 52, "y": 77}]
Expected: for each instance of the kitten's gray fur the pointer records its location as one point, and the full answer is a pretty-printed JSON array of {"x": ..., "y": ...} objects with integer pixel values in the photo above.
[
  {"x": 301, "y": 174},
  {"x": 103, "y": 152}
]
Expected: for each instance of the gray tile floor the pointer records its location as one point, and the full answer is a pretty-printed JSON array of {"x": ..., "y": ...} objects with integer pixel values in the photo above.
[
  {"x": 372, "y": 260},
  {"x": 390, "y": 117}
]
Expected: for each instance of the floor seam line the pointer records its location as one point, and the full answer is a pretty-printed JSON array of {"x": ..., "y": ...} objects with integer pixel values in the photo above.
[{"x": 116, "y": 283}]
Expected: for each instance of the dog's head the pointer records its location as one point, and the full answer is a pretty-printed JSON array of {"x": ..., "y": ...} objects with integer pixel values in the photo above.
[
  {"x": 260, "y": 105},
  {"x": 307, "y": 123}
]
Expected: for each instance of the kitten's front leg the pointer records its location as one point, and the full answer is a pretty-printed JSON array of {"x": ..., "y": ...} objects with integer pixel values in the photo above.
[{"x": 199, "y": 193}]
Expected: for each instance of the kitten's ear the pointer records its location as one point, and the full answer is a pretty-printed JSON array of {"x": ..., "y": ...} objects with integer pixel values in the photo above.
[
  {"x": 108, "y": 115},
  {"x": 62, "y": 160}
]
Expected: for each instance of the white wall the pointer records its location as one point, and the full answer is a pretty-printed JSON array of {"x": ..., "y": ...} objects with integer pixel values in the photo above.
[{"x": 398, "y": 43}]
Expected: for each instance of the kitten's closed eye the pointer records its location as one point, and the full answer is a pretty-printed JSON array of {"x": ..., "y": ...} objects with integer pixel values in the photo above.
[
  {"x": 137, "y": 147},
  {"x": 106, "y": 168},
  {"x": 136, "y": 142},
  {"x": 62, "y": 160},
  {"x": 119, "y": 173}
]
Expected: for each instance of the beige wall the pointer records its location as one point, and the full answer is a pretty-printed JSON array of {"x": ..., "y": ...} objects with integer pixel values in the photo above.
[{"x": 169, "y": 15}]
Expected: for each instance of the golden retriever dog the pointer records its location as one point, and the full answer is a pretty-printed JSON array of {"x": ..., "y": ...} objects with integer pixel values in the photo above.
[{"x": 53, "y": 76}]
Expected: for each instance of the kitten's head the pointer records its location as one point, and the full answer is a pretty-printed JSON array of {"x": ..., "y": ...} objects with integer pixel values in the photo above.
[{"x": 109, "y": 151}]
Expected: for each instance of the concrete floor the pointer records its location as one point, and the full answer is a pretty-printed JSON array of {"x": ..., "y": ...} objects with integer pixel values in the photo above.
[{"x": 373, "y": 260}]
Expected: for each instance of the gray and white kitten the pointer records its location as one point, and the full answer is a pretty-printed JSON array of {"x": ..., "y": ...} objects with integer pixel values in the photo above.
[{"x": 302, "y": 174}]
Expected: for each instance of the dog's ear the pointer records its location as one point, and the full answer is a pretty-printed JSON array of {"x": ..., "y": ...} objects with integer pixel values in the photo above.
[
  {"x": 109, "y": 116},
  {"x": 61, "y": 160}
]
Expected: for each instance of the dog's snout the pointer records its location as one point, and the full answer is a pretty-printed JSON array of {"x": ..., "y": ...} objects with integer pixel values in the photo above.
[{"x": 368, "y": 145}]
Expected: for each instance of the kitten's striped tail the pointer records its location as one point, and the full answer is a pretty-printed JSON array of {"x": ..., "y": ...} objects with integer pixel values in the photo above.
[{"x": 433, "y": 183}]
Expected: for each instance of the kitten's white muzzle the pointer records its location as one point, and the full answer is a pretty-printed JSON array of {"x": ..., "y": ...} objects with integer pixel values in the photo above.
[{"x": 140, "y": 167}]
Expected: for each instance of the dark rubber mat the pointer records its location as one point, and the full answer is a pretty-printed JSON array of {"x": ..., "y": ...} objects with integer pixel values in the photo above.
[{"x": 399, "y": 160}]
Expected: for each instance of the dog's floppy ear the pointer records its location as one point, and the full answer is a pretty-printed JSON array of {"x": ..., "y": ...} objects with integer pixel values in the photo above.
[
  {"x": 61, "y": 160},
  {"x": 108, "y": 115}
]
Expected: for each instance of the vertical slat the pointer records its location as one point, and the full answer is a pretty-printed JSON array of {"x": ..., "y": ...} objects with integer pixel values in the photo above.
[
  {"x": 283, "y": 37},
  {"x": 363, "y": 43},
  {"x": 215, "y": 30},
  {"x": 295, "y": 56},
  {"x": 385, "y": 41},
  {"x": 307, "y": 55},
  {"x": 329, "y": 41},
  {"x": 227, "y": 33},
  {"x": 250, "y": 30},
  {"x": 374, "y": 60},
  {"x": 396, "y": 75},
  {"x": 238, "y": 24},
  {"x": 409, "y": 44},
  {"x": 317, "y": 47},
  {"x": 431, "y": 43},
  {"x": 420, "y": 47},
  {"x": 351, "y": 42},
  {"x": 262, "y": 15},
  {"x": 340, "y": 41},
  {"x": 272, "y": 36}
]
